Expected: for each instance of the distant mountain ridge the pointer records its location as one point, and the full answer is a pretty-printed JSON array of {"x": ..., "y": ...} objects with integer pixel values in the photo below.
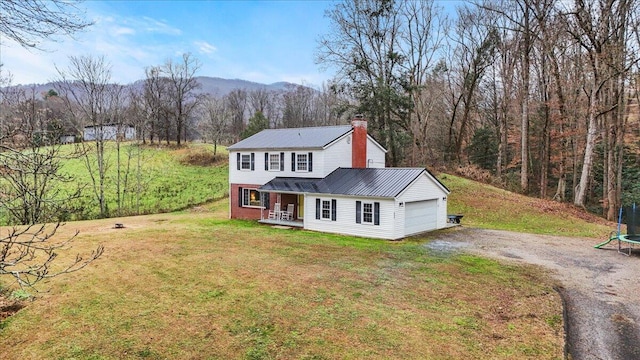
[{"x": 208, "y": 85}]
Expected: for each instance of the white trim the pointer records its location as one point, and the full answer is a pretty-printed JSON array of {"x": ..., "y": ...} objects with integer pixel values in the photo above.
[
  {"x": 362, "y": 221},
  {"x": 249, "y": 200},
  {"x": 270, "y": 154},
  {"x": 242, "y": 168},
  {"x": 306, "y": 162},
  {"x": 322, "y": 201}
]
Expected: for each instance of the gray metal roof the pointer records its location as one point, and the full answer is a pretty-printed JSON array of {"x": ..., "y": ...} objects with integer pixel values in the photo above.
[
  {"x": 291, "y": 184},
  {"x": 368, "y": 182},
  {"x": 371, "y": 182},
  {"x": 294, "y": 138}
]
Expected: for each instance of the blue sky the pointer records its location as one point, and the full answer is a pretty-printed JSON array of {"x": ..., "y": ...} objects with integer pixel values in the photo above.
[{"x": 261, "y": 41}]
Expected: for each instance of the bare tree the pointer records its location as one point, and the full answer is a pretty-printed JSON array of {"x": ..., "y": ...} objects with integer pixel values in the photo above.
[
  {"x": 236, "y": 103},
  {"x": 475, "y": 39},
  {"x": 29, "y": 22},
  {"x": 90, "y": 98},
  {"x": 364, "y": 45},
  {"x": 422, "y": 35},
  {"x": 30, "y": 162},
  {"x": 30, "y": 254},
  {"x": 298, "y": 107},
  {"x": 181, "y": 84},
  {"x": 215, "y": 120}
]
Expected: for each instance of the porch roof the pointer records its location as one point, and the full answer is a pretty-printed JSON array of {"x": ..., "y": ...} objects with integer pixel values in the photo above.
[{"x": 290, "y": 185}]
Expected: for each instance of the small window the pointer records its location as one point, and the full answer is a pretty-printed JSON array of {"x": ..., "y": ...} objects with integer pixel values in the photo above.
[
  {"x": 251, "y": 198},
  {"x": 245, "y": 162},
  {"x": 367, "y": 213},
  {"x": 326, "y": 209},
  {"x": 274, "y": 162},
  {"x": 301, "y": 164}
]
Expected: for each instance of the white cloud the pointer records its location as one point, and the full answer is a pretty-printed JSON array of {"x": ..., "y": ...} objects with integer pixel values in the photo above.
[
  {"x": 159, "y": 27},
  {"x": 205, "y": 47},
  {"x": 119, "y": 30}
]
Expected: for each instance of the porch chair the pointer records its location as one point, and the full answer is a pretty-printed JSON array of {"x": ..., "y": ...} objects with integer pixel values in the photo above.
[
  {"x": 288, "y": 215},
  {"x": 275, "y": 213}
]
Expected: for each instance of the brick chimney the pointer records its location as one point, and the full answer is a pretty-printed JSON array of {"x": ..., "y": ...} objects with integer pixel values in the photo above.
[{"x": 359, "y": 142}]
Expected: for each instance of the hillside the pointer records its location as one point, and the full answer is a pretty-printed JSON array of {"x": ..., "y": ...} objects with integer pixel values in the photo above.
[
  {"x": 489, "y": 207},
  {"x": 208, "y": 85}
]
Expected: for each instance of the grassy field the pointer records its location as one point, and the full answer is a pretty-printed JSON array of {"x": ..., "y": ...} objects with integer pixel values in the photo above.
[
  {"x": 195, "y": 285},
  {"x": 171, "y": 179},
  {"x": 489, "y": 207}
]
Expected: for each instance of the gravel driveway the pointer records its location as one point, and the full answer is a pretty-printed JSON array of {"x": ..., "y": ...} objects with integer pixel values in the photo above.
[{"x": 600, "y": 287}]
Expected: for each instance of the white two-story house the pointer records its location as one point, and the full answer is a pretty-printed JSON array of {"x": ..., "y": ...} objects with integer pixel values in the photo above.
[{"x": 331, "y": 179}]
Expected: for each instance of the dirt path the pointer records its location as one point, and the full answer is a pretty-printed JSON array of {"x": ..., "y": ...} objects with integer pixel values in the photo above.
[{"x": 600, "y": 287}]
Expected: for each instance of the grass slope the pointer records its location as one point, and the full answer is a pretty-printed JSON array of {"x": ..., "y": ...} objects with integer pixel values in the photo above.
[
  {"x": 169, "y": 182},
  {"x": 489, "y": 207},
  {"x": 195, "y": 285}
]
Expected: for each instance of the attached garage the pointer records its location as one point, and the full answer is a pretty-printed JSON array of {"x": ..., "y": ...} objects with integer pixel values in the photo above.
[
  {"x": 420, "y": 216},
  {"x": 387, "y": 203}
]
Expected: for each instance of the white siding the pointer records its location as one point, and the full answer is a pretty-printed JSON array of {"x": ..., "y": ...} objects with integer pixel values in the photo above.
[
  {"x": 260, "y": 176},
  {"x": 375, "y": 155},
  {"x": 337, "y": 155},
  {"x": 346, "y": 217}
]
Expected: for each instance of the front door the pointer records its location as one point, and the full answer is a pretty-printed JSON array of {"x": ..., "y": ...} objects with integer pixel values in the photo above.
[{"x": 300, "y": 206}]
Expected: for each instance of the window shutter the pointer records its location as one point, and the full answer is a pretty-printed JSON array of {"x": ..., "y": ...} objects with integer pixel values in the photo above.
[
  {"x": 239, "y": 197},
  {"x": 334, "y": 202},
  {"x": 376, "y": 213},
  {"x": 253, "y": 161},
  {"x": 310, "y": 162},
  {"x": 358, "y": 212},
  {"x": 266, "y": 161},
  {"x": 318, "y": 209},
  {"x": 281, "y": 161},
  {"x": 238, "y": 160},
  {"x": 293, "y": 161},
  {"x": 265, "y": 200}
]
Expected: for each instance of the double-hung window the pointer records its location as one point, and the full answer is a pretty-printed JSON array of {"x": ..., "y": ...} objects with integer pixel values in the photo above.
[
  {"x": 326, "y": 209},
  {"x": 245, "y": 161},
  {"x": 274, "y": 162},
  {"x": 302, "y": 162},
  {"x": 368, "y": 213}
]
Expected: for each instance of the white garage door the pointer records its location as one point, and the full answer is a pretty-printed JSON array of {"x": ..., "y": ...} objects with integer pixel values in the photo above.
[{"x": 420, "y": 216}]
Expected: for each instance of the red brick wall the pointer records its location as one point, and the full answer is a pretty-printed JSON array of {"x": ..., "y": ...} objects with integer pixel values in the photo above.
[{"x": 249, "y": 213}]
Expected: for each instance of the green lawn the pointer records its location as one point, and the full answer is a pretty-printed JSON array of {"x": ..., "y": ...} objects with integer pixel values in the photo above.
[
  {"x": 195, "y": 285},
  {"x": 489, "y": 207},
  {"x": 168, "y": 181}
]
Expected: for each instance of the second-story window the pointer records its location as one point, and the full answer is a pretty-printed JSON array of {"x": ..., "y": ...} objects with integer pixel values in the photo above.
[
  {"x": 274, "y": 162},
  {"x": 302, "y": 162},
  {"x": 245, "y": 162}
]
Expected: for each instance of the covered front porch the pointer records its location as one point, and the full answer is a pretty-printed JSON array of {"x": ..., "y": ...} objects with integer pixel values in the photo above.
[
  {"x": 284, "y": 204},
  {"x": 283, "y": 209}
]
